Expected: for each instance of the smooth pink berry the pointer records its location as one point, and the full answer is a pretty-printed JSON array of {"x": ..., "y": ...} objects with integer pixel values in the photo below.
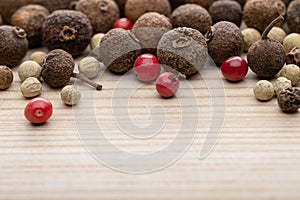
[
  {"x": 167, "y": 84},
  {"x": 123, "y": 23},
  {"x": 147, "y": 67},
  {"x": 38, "y": 110},
  {"x": 234, "y": 68}
]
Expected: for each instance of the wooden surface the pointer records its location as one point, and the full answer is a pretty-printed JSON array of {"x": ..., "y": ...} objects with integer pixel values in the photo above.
[{"x": 257, "y": 155}]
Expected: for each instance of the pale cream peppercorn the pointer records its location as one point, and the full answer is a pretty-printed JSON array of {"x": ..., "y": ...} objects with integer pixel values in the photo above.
[
  {"x": 291, "y": 72},
  {"x": 277, "y": 33},
  {"x": 29, "y": 69},
  {"x": 31, "y": 87},
  {"x": 89, "y": 66},
  {"x": 264, "y": 90},
  {"x": 38, "y": 56},
  {"x": 280, "y": 84},
  {"x": 250, "y": 36},
  {"x": 292, "y": 40},
  {"x": 96, "y": 39},
  {"x": 70, "y": 95}
]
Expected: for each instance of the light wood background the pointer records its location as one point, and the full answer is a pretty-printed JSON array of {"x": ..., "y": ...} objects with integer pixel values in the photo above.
[{"x": 257, "y": 155}]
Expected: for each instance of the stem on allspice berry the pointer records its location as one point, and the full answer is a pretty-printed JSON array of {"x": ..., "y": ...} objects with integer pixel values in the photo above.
[
  {"x": 270, "y": 26},
  {"x": 86, "y": 80}
]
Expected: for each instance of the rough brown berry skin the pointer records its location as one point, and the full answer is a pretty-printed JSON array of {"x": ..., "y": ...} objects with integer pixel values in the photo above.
[
  {"x": 119, "y": 49},
  {"x": 183, "y": 49},
  {"x": 289, "y": 100},
  {"x": 101, "y": 13},
  {"x": 204, "y": 3},
  {"x": 6, "y": 77},
  {"x": 259, "y": 13},
  {"x": 136, "y": 8},
  {"x": 68, "y": 30},
  {"x": 293, "y": 57},
  {"x": 13, "y": 45},
  {"x": 226, "y": 41},
  {"x": 58, "y": 68},
  {"x": 31, "y": 18},
  {"x": 192, "y": 16},
  {"x": 233, "y": 12},
  {"x": 149, "y": 28},
  {"x": 8, "y": 7},
  {"x": 293, "y": 16}
]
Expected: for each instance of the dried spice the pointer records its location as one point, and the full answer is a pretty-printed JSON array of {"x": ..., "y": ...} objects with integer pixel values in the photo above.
[
  {"x": 96, "y": 39},
  {"x": 293, "y": 57},
  {"x": 289, "y": 100},
  {"x": 6, "y": 77},
  {"x": 291, "y": 72},
  {"x": 277, "y": 33},
  {"x": 266, "y": 57},
  {"x": 29, "y": 69},
  {"x": 101, "y": 13},
  {"x": 183, "y": 49},
  {"x": 119, "y": 49},
  {"x": 250, "y": 36},
  {"x": 70, "y": 95},
  {"x": 263, "y": 90},
  {"x": 280, "y": 84},
  {"x": 204, "y": 3},
  {"x": 136, "y": 8},
  {"x": 89, "y": 66},
  {"x": 31, "y": 87},
  {"x": 292, "y": 40},
  {"x": 226, "y": 41},
  {"x": 293, "y": 16},
  {"x": 149, "y": 29},
  {"x": 253, "y": 17},
  {"x": 68, "y": 30},
  {"x": 38, "y": 56},
  {"x": 226, "y": 10},
  {"x": 31, "y": 18},
  {"x": 13, "y": 45}
]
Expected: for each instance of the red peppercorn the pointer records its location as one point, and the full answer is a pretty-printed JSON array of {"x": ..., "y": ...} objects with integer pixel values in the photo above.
[
  {"x": 147, "y": 67},
  {"x": 234, "y": 68},
  {"x": 123, "y": 23},
  {"x": 38, "y": 110},
  {"x": 167, "y": 84}
]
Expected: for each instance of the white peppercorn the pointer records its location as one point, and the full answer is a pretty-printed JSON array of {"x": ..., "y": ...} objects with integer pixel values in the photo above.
[
  {"x": 280, "y": 84},
  {"x": 39, "y": 57},
  {"x": 250, "y": 36},
  {"x": 290, "y": 41},
  {"x": 31, "y": 87},
  {"x": 264, "y": 90},
  {"x": 70, "y": 95},
  {"x": 29, "y": 69},
  {"x": 277, "y": 33},
  {"x": 291, "y": 72},
  {"x": 6, "y": 77},
  {"x": 96, "y": 39},
  {"x": 89, "y": 66}
]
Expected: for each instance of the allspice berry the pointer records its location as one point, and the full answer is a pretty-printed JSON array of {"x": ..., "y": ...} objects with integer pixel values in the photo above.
[
  {"x": 70, "y": 95},
  {"x": 13, "y": 45},
  {"x": 96, "y": 39},
  {"x": 136, "y": 8},
  {"x": 204, "y": 3},
  {"x": 6, "y": 77},
  {"x": 31, "y": 87},
  {"x": 101, "y": 13},
  {"x": 119, "y": 49},
  {"x": 58, "y": 68},
  {"x": 29, "y": 69},
  {"x": 192, "y": 16},
  {"x": 226, "y": 41},
  {"x": 263, "y": 90},
  {"x": 280, "y": 84},
  {"x": 277, "y": 33},
  {"x": 31, "y": 18},
  {"x": 38, "y": 56},
  {"x": 259, "y": 13},
  {"x": 293, "y": 16},
  {"x": 293, "y": 57},
  {"x": 226, "y": 10},
  {"x": 289, "y": 99},
  {"x": 266, "y": 57},
  {"x": 292, "y": 40},
  {"x": 250, "y": 36},
  {"x": 291, "y": 72},
  {"x": 68, "y": 30},
  {"x": 149, "y": 29},
  {"x": 89, "y": 66},
  {"x": 183, "y": 49}
]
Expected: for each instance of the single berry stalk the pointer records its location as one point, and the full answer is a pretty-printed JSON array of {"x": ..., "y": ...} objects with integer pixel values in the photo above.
[{"x": 88, "y": 81}]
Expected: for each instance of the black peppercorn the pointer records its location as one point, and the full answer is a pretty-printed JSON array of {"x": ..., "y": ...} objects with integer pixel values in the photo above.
[
  {"x": 68, "y": 30},
  {"x": 13, "y": 45},
  {"x": 183, "y": 49},
  {"x": 289, "y": 99}
]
